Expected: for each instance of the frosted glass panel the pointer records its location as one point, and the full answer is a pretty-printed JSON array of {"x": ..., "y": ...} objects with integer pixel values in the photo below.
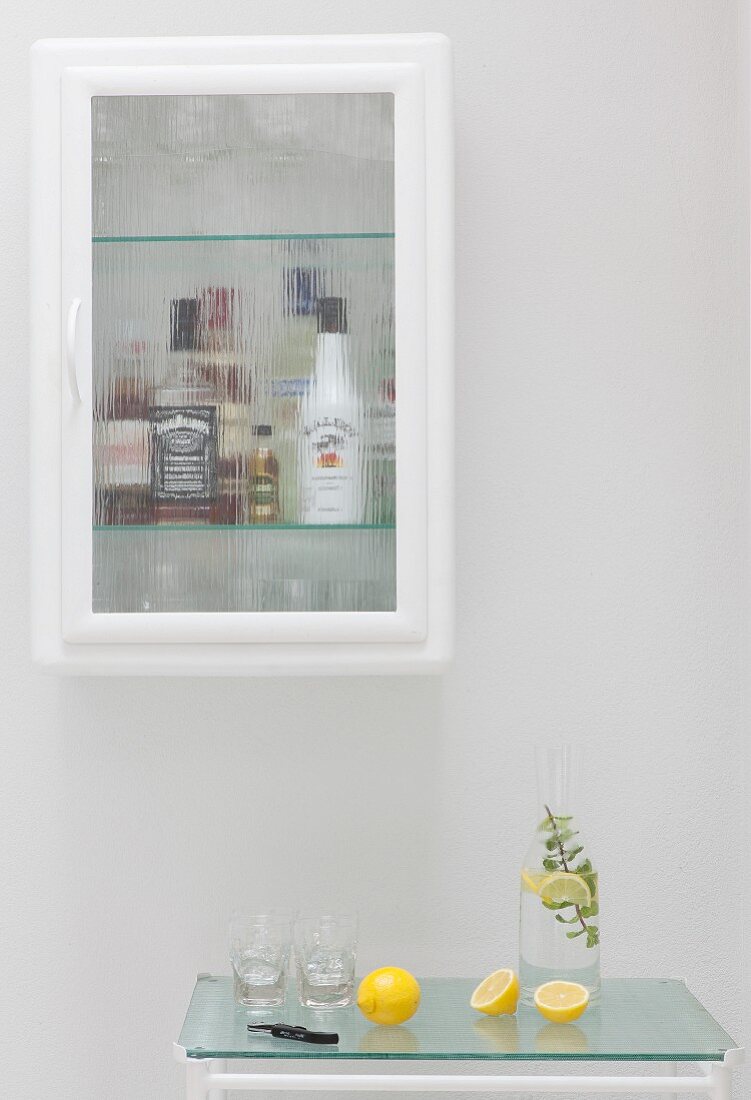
[{"x": 243, "y": 353}]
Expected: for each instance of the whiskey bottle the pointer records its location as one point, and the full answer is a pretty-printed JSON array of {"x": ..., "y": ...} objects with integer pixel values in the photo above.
[
  {"x": 263, "y": 478},
  {"x": 183, "y": 428}
]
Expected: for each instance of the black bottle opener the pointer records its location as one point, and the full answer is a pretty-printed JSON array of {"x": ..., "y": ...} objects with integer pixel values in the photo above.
[{"x": 297, "y": 1032}]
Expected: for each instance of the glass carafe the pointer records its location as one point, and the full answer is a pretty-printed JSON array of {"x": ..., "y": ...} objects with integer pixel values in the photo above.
[{"x": 559, "y": 922}]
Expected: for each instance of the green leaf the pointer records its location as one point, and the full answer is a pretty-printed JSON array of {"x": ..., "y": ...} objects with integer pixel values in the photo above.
[
  {"x": 590, "y": 910},
  {"x": 557, "y": 904},
  {"x": 593, "y": 935},
  {"x": 591, "y": 882},
  {"x": 552, "y": 844},
  {"x": 584, "y": 868},
  {"x": 551, "y": 864},
  {"x": 566, "y": 920},
  {"x": 571, "y": 856},
  {"x": 566, "y": 834},
  {"x": 573, "y": 935}
]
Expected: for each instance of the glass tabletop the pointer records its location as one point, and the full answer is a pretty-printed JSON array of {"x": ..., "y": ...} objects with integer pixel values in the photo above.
[{"x": 639, "y": 1020}]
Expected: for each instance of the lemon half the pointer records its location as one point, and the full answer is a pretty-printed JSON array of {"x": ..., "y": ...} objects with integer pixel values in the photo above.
[
  {"x": 498, "y": 994},
  {"x": 561, "y": 1002}
]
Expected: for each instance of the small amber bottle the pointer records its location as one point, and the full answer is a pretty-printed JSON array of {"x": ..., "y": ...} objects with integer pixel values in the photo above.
[{"x": 263, "y": 478}]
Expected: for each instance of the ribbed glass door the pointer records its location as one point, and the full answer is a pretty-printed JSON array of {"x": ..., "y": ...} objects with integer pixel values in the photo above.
[{"x": 244, "y": 448}]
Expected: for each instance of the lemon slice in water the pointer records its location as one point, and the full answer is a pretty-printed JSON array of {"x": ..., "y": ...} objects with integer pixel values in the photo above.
[
  {"x": 531, "y": 880},
  {"x": 563, "y": 887}
]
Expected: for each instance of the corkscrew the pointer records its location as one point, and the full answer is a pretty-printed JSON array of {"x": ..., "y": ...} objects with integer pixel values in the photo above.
[{"x": 297, "y": 1032}]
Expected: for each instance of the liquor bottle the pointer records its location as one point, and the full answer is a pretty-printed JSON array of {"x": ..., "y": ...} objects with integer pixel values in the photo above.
[
  {"x": 184, "y": 445},
  {"x": 121, "y": 472},
  {"x": 233, "y": 418},
  {"x": 291, "y": 358},
  {"x": 263, "y": 477},
  {"x": 120, "y": 436},
  {"x": 331, "y": 467},
  {"x": 183, "y": 425},
  {"x": 381, "y": 452},
  {"x": 200, "y": 416},
  {"x": 219, "y": 364},
  {"x": 287, "y": 397}
]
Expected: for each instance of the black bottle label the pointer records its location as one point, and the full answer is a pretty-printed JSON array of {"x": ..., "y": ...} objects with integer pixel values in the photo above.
[{"x": 184, "y": 454}]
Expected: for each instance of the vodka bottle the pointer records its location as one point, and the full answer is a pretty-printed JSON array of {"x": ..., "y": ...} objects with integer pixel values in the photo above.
[{"x": 330, "y": 460}]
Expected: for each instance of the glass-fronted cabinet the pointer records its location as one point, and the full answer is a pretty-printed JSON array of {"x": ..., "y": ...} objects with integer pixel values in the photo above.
[{"x": 242, "y": 345}]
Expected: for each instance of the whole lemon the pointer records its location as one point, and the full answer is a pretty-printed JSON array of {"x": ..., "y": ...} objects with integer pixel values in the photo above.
[{"x": 388, "y": 996}]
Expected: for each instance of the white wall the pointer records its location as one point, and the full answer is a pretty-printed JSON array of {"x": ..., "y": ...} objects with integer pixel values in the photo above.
[{"x": 601, "y": 415}]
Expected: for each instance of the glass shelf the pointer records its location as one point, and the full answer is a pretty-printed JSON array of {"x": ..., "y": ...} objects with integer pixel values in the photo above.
[
  {"x": 177, "y": 238},
  {"x": 244, "y": 527},
  {"x": 642, "y": 1020},
  {"x": 262, "y": 568}
]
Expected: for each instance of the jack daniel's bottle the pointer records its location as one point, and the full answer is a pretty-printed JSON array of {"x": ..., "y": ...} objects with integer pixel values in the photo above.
[
  {"x": 331, "y": 464},
  {"x": 184, "y": 428},
  {"x": 184, "y": 440}
]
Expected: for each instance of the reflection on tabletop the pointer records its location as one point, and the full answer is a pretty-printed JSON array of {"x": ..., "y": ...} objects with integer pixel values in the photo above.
[
  {"x": 389, "y": 1040},
  {"x": 501, "y": 1032}
]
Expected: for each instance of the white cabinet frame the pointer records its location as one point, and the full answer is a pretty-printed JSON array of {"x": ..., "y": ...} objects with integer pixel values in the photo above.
[{"x": 67, "y": 635}]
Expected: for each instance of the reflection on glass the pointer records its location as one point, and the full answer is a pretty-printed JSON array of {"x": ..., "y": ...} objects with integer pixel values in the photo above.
[
  {"x": 561, "y": 1039},
  {"x": 389, "y": 1040},
  {"x": 501, "y": 1033},
  {"x": 243, "y": 353}
]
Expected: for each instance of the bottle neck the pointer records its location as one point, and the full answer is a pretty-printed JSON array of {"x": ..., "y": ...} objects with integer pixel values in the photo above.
[
  {"x": 557, "y": 769},
  {"x": 332, "y": 373}
]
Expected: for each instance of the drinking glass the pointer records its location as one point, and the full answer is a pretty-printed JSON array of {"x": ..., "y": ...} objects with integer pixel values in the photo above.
[
  {"x": 259, "y": 951},
  {"x": 325, "y": 950}
]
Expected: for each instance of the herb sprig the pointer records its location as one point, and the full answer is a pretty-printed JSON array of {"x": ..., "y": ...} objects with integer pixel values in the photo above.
[{"x": 563, "y": 849}]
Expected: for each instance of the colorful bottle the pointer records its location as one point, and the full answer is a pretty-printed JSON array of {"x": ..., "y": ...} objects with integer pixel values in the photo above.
[{"x": 263, "y": 478}]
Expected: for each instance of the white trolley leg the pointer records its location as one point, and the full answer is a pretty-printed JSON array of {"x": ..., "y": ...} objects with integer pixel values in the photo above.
[
  {"x": 721, "y": 1082},
  {"x": 196, "y": 1077},
  {"x": 218, "y": 1065},
  {"x": 671, "y": 1070}
]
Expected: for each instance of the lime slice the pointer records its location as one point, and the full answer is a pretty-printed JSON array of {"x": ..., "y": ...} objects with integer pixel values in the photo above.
[{"x": 565, "y": 888}]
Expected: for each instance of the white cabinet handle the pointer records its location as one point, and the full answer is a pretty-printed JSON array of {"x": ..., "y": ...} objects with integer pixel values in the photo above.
[{"x": 70, "y": 348}]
